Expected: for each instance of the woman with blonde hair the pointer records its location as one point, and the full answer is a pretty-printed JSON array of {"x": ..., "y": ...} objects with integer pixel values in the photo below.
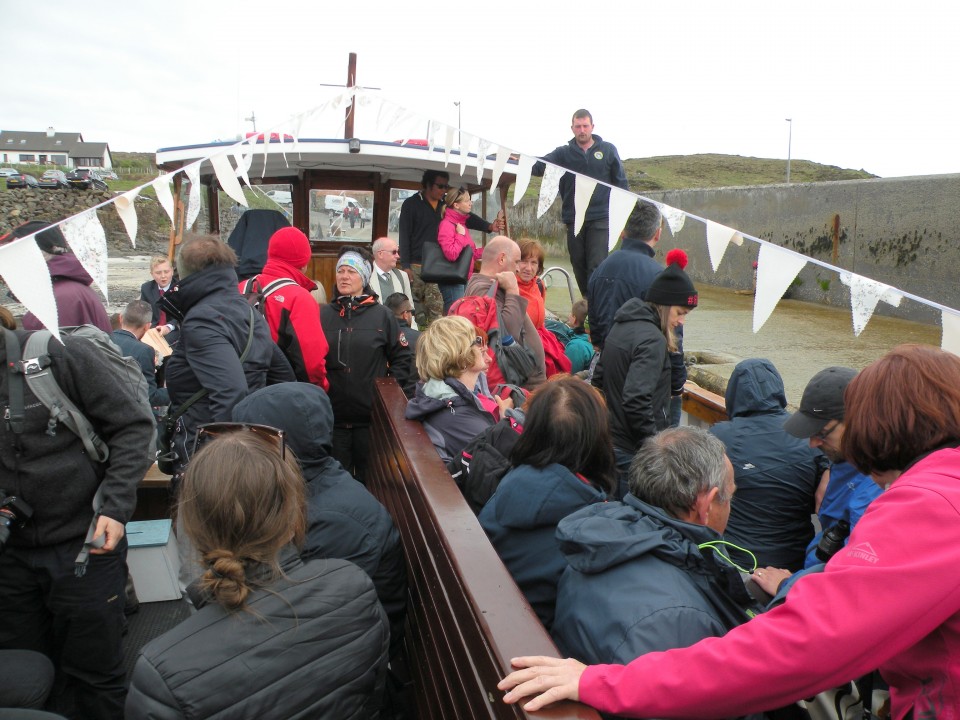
[
  {"x": 454, "y": 236},
  {"x": 273, "y": 637},
  {"x": 634, "y": 367},
  {"x": 453, "y": 400}
]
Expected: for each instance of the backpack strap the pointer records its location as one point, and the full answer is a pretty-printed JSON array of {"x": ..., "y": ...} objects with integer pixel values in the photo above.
[
  {"x": 37, "y": 370},
  {"x": 14, "y": 413},
  {"x": 271, "y": 288}
]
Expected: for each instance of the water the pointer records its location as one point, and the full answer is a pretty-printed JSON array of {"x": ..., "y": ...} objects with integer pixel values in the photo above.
[{"x": 799, "y": 338}]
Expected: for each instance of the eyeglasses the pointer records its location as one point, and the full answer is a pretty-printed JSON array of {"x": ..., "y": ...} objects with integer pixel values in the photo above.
[
  {"x": 827, "y": 430},
  {"x": 208, "y": 431},
  {"x": 392, "y": 252}
]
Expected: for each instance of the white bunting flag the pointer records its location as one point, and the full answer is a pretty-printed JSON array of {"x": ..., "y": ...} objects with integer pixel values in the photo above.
[
  {"x": 776, "y": 270},
  {"x": 127, "y": 210},
  {"x": 674, "y": 217},
  {"x": 483, "y": 147},
  {"x": 25, "y": 272},
  {"x": 582, "y": 193},
  {"x": 243, "y": 157},
  {"x": 718, "y": 237},
  {"x": 432, "y": 127},
  {"x": 161, "y": 186},
  {"x": 466, "y": 140},
  {"x": 86, "y": 238},
  {"x": 447, "y": 145},
  {"x": 621, "y": 205},
  {"x": 864, "y": 296},
  {"x": 227, "y": 177},
  {"x": 549, "y": 187},
  {"x": 503, "y": 154},
  {"x": 192, "y": 172},
  {"x": 950, "y": 340},
  {"x": 524, "y": 166}
]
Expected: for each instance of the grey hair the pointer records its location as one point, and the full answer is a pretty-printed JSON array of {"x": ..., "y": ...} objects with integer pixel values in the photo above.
[
  {"x": 379, "y": 244},
  {"x": 644, "y": 221},
  {"x": 672, "y": 469},
  {"x": 137, "y": 313}
]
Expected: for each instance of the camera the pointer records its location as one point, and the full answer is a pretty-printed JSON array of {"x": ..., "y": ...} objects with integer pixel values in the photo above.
[
  {"x": 832, "y": 540},
  {"x": 14, "y": 512}
]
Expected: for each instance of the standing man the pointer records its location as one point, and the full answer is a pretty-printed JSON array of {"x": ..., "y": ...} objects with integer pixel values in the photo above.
[
  {"x": 60, "y": 595},
  {"x": 420, "y": 217},
  {"x": 387, "y": 278},
  {"x": 586, "y": 154}
]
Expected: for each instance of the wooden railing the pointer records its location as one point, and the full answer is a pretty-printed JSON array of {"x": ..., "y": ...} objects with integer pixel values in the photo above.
[{"x": 466, "y": 616}]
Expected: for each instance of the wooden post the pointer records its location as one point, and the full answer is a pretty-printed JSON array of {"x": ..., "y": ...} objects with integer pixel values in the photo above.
[
  {"x": 176, "y": 226},
  {"x": 351, "y": 82}
]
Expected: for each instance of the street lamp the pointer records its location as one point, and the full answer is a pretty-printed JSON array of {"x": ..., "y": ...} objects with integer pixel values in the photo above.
[
  {"x": 457, "y": 103},
  {"x": 789, "y": 143}
]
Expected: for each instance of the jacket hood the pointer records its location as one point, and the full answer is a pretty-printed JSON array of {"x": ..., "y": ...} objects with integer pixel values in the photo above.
[
  {"x": 755, "y": 387},
  {"x": 529, "y": 497},
  {"x": 435, "y": 395},
  {"x": 600, "y": 537},
  {"x": 68, "y": 267},
  {"x": 636, "y": 309},
  {"x": 302, "y": 411}
]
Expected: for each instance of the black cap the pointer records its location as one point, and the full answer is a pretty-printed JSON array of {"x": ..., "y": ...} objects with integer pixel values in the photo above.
[
  {"x": 822, "y": 402},
  {"x": 673, "y": 286},
  {"x": 51, "y": 240}
]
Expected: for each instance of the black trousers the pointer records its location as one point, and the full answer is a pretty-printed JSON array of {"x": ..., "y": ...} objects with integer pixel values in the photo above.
[
  {"x": 587, "y": 250},
  {"x": 351, "y": 446},
  {"x": 75, "y": 621}
]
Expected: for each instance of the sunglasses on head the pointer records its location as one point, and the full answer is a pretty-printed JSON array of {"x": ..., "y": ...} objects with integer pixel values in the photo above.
[{"x": 208, "y": 431}]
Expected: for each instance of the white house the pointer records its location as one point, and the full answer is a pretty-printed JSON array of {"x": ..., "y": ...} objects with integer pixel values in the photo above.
[{"x": 64, "y": 149}]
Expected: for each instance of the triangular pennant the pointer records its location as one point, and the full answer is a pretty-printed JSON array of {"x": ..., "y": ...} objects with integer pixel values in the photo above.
[
  {"x": 25, "y": 272},
  {"x": 503, "y": 154},
  {"x": 776, "y": 270},
  {"x": 466, "y": 140},
  {"x": 549, "y": 187},
  {"x": 483, "y": 147},
  {"x": 244, "y": 159},
  {"x": 127, "y": 210},
  {"x": 161, "y": 186},
  {"x": 621, "y": 205},
  {"x": 674, "y": 217},
  {"x": 86, "y": 238},
  {"x": 227, "y": 177},
  {"x": 192, "y": 172},
  {"x": 297, "y": 128},
  {"x": 864, "y": 296},
  {"x": 583, "y": 192},
  {"x": 447, "y": 145},
  {"x": 524, "y": 166},
  {"x": 432, "y": 127},
  {"x": 718, "y": 237},
  {"x": 950, "y": 340}
]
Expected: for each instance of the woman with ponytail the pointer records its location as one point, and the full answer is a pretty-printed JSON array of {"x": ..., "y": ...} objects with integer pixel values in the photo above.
[
  {"x": 273, "y": 637},
  {"x": 634, "y": 367}
]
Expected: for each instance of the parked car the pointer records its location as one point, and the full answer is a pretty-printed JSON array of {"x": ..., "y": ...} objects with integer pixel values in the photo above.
[
  {"x": 86, "y": 178},
  {"x": 108, "y": 174},
  {"x": 53, "y": 179},
  {"x": 281, "y": 197},
  {"x": 21, "y": 180},
  {"x": 7, "y": 172}
]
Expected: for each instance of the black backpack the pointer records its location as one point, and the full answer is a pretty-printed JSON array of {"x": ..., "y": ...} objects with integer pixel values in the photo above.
[{"x": 481, "y": 465}]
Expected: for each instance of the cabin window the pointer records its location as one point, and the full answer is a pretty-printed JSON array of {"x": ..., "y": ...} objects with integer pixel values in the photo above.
[
  {"x": 341, "y": 216},
  {"x": 259, "y": 197}
]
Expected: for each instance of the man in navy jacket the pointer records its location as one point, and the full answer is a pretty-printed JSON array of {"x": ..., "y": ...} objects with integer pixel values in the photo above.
[{"x": 586, "y": 154}]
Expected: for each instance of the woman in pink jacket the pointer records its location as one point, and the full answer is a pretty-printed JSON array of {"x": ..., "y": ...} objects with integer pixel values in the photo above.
[
  {"x": 889, "y": 600},
  {"x": 453, "y": 237}
]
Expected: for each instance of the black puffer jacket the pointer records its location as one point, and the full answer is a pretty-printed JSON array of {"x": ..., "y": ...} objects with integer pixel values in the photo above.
[
  {"x": 343, "y": 519},
  {"x": 213, "y": 335},
  {"x": 450, "y": 413},
  {"x": 365, "y": 343},
  {"x": 314, "y": 645},
  {"x": 634, "y": 374},
  {"x": 53, "y": 473}
]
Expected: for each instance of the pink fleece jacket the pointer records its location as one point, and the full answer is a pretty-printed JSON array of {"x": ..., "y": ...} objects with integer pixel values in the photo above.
[
  {"x": 890, "y": 599},
  {"x": 452, "y": 242}
]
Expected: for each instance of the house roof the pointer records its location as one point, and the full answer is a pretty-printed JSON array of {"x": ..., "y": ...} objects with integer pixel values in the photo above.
[
  {"x": 40, "y": 141},
  {"x": 89, "y": 149}
]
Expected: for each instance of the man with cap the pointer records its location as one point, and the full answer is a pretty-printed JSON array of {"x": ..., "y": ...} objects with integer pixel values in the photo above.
[
  {"x": 365, "y": 342},
  {"x": 77, "y": 303},
  {"x": 820, "y": 420},
  {"x": 634, "y": 367},
  {"x": 290, "y": 308}
]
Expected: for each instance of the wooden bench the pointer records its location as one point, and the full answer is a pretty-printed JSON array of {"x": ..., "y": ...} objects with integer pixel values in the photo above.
[{"x": 466, "y": 616}]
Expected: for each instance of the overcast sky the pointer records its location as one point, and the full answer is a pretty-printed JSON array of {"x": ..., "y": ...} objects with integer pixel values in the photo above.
[{"x": 868, "y": 85}]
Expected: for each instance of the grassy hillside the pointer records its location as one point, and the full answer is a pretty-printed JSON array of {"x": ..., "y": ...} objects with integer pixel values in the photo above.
[{"x": 677, "y": 172}]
